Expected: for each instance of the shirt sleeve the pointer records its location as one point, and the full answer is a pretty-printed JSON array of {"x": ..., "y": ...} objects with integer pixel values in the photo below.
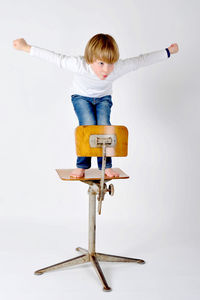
[
  {"x": 71, "y": 63},
  {"x": 124, "y": 66}
]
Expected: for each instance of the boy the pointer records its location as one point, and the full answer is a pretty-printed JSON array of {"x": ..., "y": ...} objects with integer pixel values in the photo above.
[{"x": 92, "y": 85}]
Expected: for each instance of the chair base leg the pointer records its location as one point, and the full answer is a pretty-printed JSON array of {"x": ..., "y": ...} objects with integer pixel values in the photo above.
[
  {"x": 112, "y": 258},
  {"x": 67, "y": 263},
  {"x": 82, "y": 250},
  {"x": 94, "y": 258},
  {"x": 115, "y": 258},
  {"x": 99, "y": 272}
]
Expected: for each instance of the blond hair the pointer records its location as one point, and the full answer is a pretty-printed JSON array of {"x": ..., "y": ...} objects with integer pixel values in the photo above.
[{"x": 102, "y": 47}]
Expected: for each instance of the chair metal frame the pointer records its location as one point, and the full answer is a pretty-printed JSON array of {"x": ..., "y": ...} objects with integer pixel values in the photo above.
[{"x": 97, "y": 188}]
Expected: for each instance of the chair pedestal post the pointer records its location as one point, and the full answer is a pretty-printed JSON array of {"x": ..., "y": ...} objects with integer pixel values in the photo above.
[
  {"x": 93, "y": 190},
  {"x": 92, "y": 222},
  {"x": 91, "y": 255}
]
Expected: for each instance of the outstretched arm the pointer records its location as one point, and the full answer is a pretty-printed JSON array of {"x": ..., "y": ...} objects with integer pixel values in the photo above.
[
  {"x": 71, "y": 63},
  {"x": 124, "y": 66}
]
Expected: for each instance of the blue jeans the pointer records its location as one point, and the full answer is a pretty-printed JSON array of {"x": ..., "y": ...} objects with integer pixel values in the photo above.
[{"x": 92, "y": 111}]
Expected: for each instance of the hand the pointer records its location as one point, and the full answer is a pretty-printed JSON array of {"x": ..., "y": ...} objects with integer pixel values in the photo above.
[
  {"x": 21, "y": 44},
  {"x": 173, "y": 48}
]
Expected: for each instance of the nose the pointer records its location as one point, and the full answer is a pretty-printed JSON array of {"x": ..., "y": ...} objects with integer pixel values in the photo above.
[{"x": 106, "y": 68}]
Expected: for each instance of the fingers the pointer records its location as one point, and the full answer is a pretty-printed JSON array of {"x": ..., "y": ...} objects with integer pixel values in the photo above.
[
  {"x": 15, "y": 42},
  {"x": 173, "y": 48},
  {"x": 19, "y": 43}
]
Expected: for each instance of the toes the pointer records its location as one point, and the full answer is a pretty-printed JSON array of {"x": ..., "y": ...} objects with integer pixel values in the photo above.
[
  {"x": 77, "y": 174},
  {"x": 112, "y": 174}
]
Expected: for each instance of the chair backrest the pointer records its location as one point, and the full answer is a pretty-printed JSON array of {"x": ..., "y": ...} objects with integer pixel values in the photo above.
[{"x": 90, "y": 138}]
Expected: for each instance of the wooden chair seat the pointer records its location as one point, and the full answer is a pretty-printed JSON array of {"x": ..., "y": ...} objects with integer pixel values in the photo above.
[{"x": 90, "y": 174}]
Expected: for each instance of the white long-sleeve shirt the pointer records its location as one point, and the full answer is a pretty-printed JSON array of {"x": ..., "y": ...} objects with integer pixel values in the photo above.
[{"x": 85, "y": 81}]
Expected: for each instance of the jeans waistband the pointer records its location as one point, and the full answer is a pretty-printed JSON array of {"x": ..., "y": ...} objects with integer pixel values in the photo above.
[{"x": 109, "y": 97}]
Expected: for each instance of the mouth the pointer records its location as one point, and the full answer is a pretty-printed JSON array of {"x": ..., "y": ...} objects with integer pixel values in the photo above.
[{"x": 104, "y": 76}]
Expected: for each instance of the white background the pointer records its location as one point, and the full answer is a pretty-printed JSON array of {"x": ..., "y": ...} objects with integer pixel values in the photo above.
[{"x": 154, "y": 215}]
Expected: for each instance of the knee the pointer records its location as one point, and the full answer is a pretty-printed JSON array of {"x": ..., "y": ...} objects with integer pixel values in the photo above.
[
  {"x": 103, "y": 121},
  {"x": 87, "y": 121}
]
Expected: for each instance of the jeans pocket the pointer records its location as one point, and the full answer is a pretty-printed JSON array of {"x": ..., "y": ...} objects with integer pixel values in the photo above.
[
  {"x": 74, "y": 96},
  {"x": 109, "y": 100}
]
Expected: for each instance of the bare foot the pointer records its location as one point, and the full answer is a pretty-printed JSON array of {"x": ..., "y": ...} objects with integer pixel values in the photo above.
[
  {"x": 111, "y": 173},
  {"x": 78, "y": 173}
]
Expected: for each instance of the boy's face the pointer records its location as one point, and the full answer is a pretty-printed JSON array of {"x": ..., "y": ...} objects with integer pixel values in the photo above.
[{"x": 102, "y": 69}]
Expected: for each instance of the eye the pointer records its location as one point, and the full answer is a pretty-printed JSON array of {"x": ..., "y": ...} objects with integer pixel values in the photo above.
[{"x": 101, "y": 63}]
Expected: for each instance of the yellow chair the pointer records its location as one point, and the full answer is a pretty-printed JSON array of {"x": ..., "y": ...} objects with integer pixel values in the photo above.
[{"x": 96, "y": 140}]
